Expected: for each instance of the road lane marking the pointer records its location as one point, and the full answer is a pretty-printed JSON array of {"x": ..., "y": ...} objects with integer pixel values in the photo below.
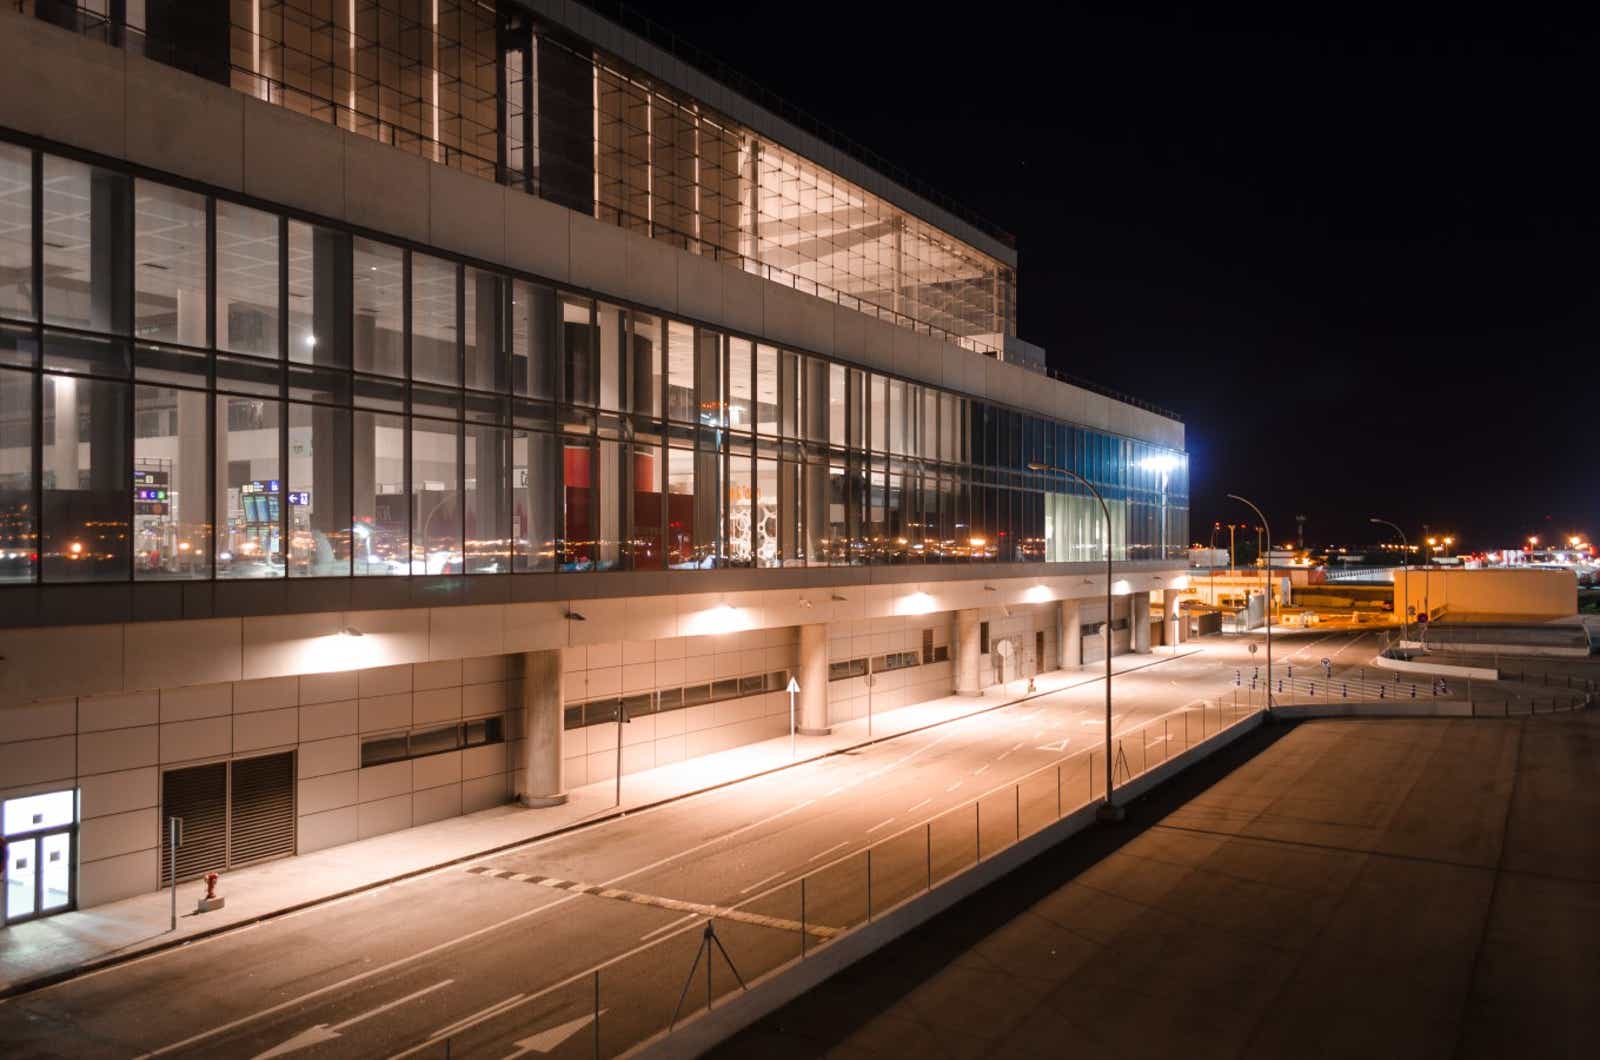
[
  {"x": 704, "y": 909},
  {"x": 981, "y": 770},
  {"x": 681, "y": 920},
  {"x": 954, "y": 786},
  {"x": 880, "y": 824},
  {"x": 322, "y": 1032},
  {"x": 445, "y": 1032},
  {"x": 834, "y": 792},
  {"x": 830, "y": 850},
  {"x": 919, "y": 806},
  {"x": 764, "y": 880}
]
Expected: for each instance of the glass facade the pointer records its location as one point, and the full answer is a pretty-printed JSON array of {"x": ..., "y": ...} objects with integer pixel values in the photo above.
[
  {"x": 192, "y": 388},
  {"x": 490, "y": 89}
]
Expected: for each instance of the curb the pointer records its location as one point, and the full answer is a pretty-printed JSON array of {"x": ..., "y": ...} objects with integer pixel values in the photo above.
[{"x": 49, "y": 979}]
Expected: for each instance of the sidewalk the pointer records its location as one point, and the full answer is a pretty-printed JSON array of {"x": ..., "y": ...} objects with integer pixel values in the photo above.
[{"x": 41, "y": 951}]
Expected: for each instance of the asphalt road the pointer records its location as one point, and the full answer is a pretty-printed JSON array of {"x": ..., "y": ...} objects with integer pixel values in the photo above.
[{"x": 500, "y": 957}]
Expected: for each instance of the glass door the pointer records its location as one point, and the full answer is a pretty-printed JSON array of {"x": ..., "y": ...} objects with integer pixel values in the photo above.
[
  {"x": 40, "y": 851},
  {"x": 22, "y": 884}
]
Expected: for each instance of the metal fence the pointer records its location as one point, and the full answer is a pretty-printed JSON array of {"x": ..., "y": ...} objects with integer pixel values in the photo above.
[{"x": 718, "y": 951}]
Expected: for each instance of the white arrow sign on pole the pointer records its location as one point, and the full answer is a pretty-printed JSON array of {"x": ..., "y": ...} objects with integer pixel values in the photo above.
[
  {"x": 322, "y": 1032},
  {"x": 547, "y": 1040},
  {"x": 794, "y": 686}
]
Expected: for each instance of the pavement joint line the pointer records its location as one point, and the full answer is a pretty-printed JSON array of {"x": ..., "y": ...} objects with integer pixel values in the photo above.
[
  {"x": 919, "y": 806},
  {"x": 880, "y": 824},
  {"x": 954, "y": 786},
  {"x": 27, "y": 986},
  {"x": 830, "y": 850},
  {"x": 715, "y": 912},
  {"x": 762, "y": 882}
]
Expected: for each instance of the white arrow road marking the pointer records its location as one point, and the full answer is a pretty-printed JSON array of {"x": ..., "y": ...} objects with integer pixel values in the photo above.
[
  {"x": 547, "y": 1040},
  {"x": 1057, "y": 747},
  {"x": 324, "y": 1033}
]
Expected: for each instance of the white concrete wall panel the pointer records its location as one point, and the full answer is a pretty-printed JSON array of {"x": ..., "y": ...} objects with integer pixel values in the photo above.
[
  {"x": 293, "y": 159},
  {"x": 271, "y": 693},
  {"x": 466, "y": 214},
  {"x": 538, "y": 237},
  {"x": 108, "y": 793},
  {"x": 599, "y": 255},
  {"x": 320, "y": 757},
  {"x": 387, "y": 190},
  {"x": 118, "y": 749},
  {"x": 28, "y": 762},
  {"x": 196, "y": 701},
  {"x": 266, "y": 728},
  {"x": 183, "y": 124},
  {"x": 38, "y": 721},
  {"x": 386, "y": 815},
  {"x": 322, "y": 721},
  {"x": 330, "y": 792},
  {"x": 186, "y": 741},
  {"x": 120, "y": 710},
  {"x": 318, "y": 831},
  {"x": 109, "y": 879},
  {"x": 118, "y": 833}
]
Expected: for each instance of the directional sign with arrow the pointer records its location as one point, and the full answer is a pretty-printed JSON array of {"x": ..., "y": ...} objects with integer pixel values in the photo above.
[{"x": 323, "y": 1032}]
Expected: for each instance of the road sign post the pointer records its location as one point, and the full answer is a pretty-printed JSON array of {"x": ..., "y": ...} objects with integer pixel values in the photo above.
[
  {"x": 174, "y": 841},
  {"x": 794, "y": 687}
]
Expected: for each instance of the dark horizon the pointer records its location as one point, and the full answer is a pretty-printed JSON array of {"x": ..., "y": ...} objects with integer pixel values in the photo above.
[{"x": 1354, "y": 256}]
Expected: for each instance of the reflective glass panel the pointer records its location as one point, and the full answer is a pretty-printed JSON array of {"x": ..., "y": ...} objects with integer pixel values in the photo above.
[
  {"x": 380, "y": 521},
  {"x": 247, "y": 280},
  {"x": 171, "y": 509},
  {"x": 434, "y": 354},
  {"x": 16, "y": 232},
  {"x": 378, "y": 290},
  {"x": 88, "y": 237},
  {"x": 249, "y": 488},
  {"x": 19, "y": 528},
  {"x": 435, "y": 497},
  {"x": 169, "y": 264},
  {"x": 87, "y": 480},
  {"x": 319, "y": 491}
]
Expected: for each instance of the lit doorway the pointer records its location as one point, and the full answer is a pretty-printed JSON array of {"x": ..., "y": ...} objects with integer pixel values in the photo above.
[{"x": 41, "y": 852}]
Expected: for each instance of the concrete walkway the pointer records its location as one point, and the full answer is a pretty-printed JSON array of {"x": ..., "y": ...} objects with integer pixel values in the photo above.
[
  {"x": 42, "y": 950},
  {"x": 1350, "y": 888}
]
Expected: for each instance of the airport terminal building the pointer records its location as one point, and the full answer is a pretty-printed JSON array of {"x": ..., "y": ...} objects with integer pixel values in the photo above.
[{"x": 393, "y": 395}]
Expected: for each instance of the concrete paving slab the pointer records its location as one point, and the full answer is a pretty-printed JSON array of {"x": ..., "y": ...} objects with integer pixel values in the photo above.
[{"x": 1339, "y": 888}]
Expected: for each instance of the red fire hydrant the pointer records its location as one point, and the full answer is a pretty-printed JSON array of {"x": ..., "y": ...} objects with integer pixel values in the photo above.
[{"x": 212, "y": 900}]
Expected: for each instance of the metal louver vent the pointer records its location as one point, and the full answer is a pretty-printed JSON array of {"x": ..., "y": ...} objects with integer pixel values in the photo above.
[
  {"x": 198, "y": 796},
  {"x": 263, "y": 808}
]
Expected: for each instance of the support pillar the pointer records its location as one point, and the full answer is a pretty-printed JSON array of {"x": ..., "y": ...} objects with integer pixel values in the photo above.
[
  {"x": 1170, "y": 618},
  {"x": 543, "y": 729},
  {"x": 1070, "y": 623},
  {"x": 967, "y": 680},
  {"x": 1139, "y": 621},
  {"x": 811, "y": 705}
]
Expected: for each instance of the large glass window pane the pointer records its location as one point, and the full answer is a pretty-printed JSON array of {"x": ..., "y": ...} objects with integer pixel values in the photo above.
[
  {"x": 741, "y": 510},
  {"x": 741, "y": 388},
  {"x": 533, "y": 340},
  {"x": 611, "y": 331},
  {"x": 680, "y": 373},
  {"x": 319, "y": 491},
  {"x": 249, "y": 488},
  {"x": 878, "y": 410},
  {"x": 708, "y": 379},
  {"x": 488, "y": 496},
  {"x": 380, "y": 521},
  {"x": 766, "y": 390},
  {"x": 646, "y": 517},
  {"x": 19, "y": 526},
  {"x": 608, "y": 496},
  {"x": 789, "y": 394},
  {"x": 435, "y": 357},
  {"x": 681, "y": 509},
  {"x": 378, "y": 288},
  {"x": 646, "y": 369},
  {"x": 88, "y": 236},
  {"x": 435, "y": 497},
  {"x": 169, "y": 264},
  {"x": 87, "y": 480},
  {"x": 247, "y": 280},
  {"x": 485, "y": 295},
  {"x": 815, "y": 524},
  {"x": 320, "y": 275},
  {"x": 578, "y": 350},
  {"x": 836, "y": 404},
  {"x": 171, "y": 511},
  {"x": 535, "y": 480},
  {"x": 16, "y": 232},
  {"x": 767, "y": 553}
]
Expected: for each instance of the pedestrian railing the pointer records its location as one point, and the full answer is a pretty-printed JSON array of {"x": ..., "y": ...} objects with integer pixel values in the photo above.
[{"x": 691, "y": 966}]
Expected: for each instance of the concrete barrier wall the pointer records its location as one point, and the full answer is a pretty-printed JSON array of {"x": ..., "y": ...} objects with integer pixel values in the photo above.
[
  {"x": 1536, "y": 594},
  {"x": 1435, "y": 669}
]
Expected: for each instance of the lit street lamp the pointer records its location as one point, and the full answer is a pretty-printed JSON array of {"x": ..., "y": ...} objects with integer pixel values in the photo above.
[
  {"x": 1405, "y": 574},
  {"x": 1108, "y": 811},
  {"x": 1268, "y": 528}
]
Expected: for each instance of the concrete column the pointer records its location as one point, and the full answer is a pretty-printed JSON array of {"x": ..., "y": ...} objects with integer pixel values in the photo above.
[
  {"x": 811, "y": 705},
  {"x": 1071, "y": 625},
  {"x": 1139, "y": 620},
  {"x": 543, "y": 728},
  {"x": 1169, "y": 617},
  {"x": 967, "y": 680}
]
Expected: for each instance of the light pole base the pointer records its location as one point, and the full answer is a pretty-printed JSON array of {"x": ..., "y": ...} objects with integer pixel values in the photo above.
[
  {"x": 814, "y": 732},
  {"x": 537, "y": 802},
  {"x": 1110, "y": 813}
]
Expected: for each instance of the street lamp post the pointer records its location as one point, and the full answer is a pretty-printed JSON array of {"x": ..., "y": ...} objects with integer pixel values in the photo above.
[
  {"x": 1268, "y": 528},
  {"x": 1108, "y": 811},
  {"x": 1405, "y": 576}
]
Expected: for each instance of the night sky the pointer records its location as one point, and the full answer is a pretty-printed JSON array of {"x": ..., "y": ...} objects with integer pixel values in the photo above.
[{"x": 1359, "y": 253}]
